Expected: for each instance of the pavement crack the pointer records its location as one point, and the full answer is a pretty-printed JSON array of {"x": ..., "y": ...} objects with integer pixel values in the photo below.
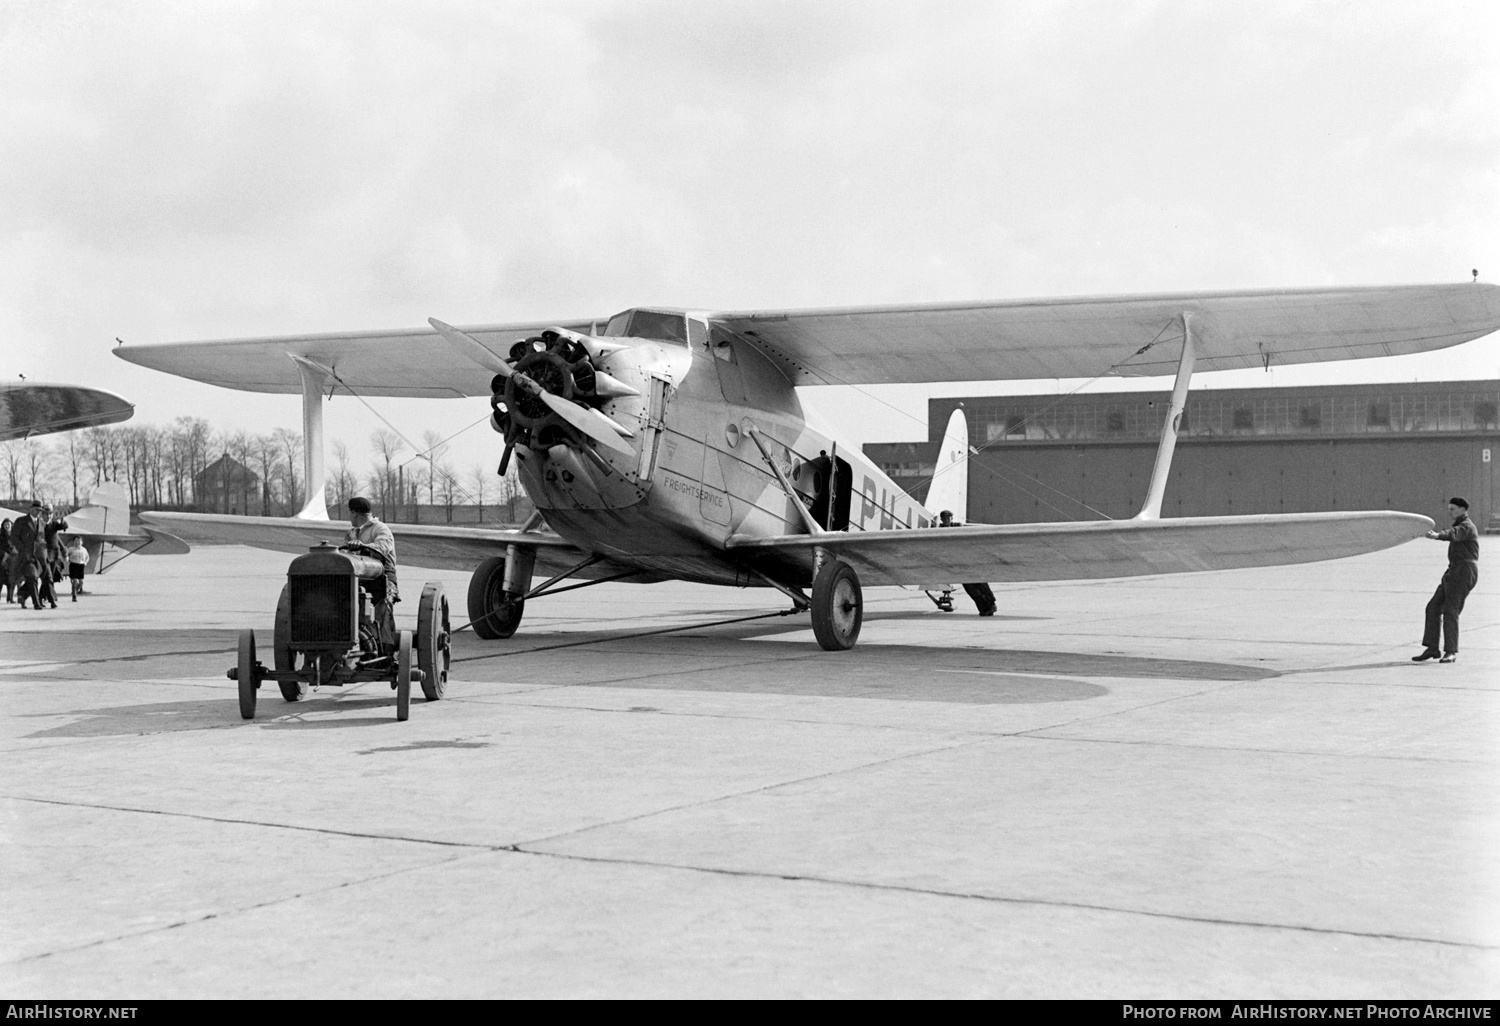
[
  {"x": 472, "y": 845},
  {"x": 238, "y": 910},
  {"x": 1007, "y": 899}
]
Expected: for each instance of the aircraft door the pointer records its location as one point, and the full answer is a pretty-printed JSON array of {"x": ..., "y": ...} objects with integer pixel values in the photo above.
[{"x": 831, "y": 485}]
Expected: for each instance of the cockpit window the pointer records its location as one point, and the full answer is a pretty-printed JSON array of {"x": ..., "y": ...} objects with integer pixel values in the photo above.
[
  {"x": 664, "y": 327},
  {"x": 618, "y": 325}
]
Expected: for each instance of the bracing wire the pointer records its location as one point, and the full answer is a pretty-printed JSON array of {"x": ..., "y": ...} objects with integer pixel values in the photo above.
[{"x": 425, "y": 454}]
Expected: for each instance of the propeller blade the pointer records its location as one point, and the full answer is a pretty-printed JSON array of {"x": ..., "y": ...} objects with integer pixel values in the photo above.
[
  {"x": 470, "y": 347},
  {"x": 610, "y": 386},
  {"x": 597, "y": 426}
]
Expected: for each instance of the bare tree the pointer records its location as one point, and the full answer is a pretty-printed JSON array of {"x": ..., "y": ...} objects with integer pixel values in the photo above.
[
  {"x": 343, "y": 479},
  {"x": 386, "y": 444},
  {"x": 266, "y": 453},
  {"x": 434, "y": 452},
  {"x": 289, "y": 442},
  {"x": 449, "y": 488},
  {"x": 72, "y": 447},
  {"x": 37, "y": 464},
  {"x": 481, "y": 479},
  {"x": 10, "y": 458}
]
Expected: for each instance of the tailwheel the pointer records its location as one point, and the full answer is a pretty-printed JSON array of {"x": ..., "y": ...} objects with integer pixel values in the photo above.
[
  {"x": 245, "y": 675},
  {"x": 281, "y": 648},
  {"x": 838, "y": 606},
  {"x": 434, "y": 644},
  {"x": 403, "y": 676},
  {"x": 494, "y": 612}
]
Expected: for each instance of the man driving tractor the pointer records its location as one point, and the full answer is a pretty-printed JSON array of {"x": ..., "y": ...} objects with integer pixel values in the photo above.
[{"x": 367, "y": 536}]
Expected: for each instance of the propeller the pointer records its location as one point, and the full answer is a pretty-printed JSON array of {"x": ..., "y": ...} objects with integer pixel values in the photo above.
[
  {"x": 591, "y": 422},
  {"x": 469, "y": 346}
]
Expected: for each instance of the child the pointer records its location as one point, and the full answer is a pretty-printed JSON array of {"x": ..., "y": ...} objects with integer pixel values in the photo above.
[{"x": 78, "y": 558}]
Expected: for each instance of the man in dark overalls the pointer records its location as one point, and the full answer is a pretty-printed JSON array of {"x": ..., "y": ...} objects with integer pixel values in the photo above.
[
  {"x": 1458, "y": 580},
  {"x": 979, "y": 591}
]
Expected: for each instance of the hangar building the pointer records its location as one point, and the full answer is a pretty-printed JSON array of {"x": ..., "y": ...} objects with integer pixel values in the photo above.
[{"x": 1245, "y": 450}]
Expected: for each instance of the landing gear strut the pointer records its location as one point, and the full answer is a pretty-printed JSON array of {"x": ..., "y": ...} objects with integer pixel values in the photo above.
[{"x": 838, "y": 606}]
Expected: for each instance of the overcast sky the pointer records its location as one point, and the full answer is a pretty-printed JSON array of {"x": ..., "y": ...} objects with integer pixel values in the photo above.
[{"x": 173, "y": 171}]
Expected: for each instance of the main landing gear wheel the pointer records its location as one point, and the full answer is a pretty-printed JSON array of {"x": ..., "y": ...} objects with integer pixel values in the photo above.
[
  {"x": 434, "y": 645},
  {"x": 838, "y": 606},
  {"x": 403, "y": 676},
  {"x": 281, "y": 648},
  {"x": 245, "y": 675},
  {"x": 492, "y": 618}
]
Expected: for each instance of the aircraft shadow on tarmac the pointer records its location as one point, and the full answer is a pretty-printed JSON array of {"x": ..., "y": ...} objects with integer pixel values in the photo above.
[{"x": 721, "y": 659}]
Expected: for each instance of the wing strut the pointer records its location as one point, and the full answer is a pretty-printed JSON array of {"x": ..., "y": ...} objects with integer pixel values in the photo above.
[
  {"x": 314, "y": 377},
  {"x": 1151, "y": 510}
]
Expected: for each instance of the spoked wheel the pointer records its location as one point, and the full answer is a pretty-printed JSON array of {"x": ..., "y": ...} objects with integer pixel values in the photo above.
[
  {"x": 245, "y": 673},
  {"x": 403, "y": 676},
  {"x": 434, "y": 647},
  {"x": 281, "y": 648},
  {"x": 838, "y": 606},
  {"x": 492, "y": 618}
]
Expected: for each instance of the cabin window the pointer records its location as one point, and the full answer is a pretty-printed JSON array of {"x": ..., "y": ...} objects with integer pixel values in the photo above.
[
  {"x": 661, "y": 325},
  {"x": 664, "y": 327},
  {"x": 1380, "y": 415},
  {"x": 1244, "y": 419},
  {"x": 1312, "y": 416},
  {"x": 697, "y": 333}
]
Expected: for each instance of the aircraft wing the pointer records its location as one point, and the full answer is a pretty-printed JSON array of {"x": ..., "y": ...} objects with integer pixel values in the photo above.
[
  {"x": 420, "y": 545},
  {"x": 28, "y": 409},
  {"x": 405, "y": 362},
  {"x": 1099, "y": 549},
  {"x": 1087, "y": 336},
  {"x": 1079, "y": 337}
]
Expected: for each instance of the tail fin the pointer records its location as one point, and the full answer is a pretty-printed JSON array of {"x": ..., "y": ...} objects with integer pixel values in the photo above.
[
  {"x": 950, "y": 476},
  {"x": 107, "y": 512}
]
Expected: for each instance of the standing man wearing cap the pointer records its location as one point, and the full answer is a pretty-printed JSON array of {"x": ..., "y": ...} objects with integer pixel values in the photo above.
[
  {"x": 369, "y": 537},
  {"x": 1459, "y": 579},
  {"x": 29, "y": 561}
]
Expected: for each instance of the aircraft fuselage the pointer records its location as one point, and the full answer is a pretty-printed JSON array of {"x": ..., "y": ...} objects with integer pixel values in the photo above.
[{"x": 695, "y": 477}]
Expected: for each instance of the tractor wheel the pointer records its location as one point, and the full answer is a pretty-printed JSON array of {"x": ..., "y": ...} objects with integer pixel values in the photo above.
[
  {"x": 281, "y": 648},
  {"x": 245, "y": 674},
  {"x": 403, "y": 676},
  {"x": 434, "y": 644},
  {"x": 492, "y": 618},
  {"x": 838, "y": 606}
]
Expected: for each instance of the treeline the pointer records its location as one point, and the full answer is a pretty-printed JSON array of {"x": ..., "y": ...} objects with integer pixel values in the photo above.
[{"x": 188, "y": 465}]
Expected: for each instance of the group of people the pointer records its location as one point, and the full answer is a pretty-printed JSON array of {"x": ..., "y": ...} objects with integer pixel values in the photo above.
[{"x": 33, "y": 557}]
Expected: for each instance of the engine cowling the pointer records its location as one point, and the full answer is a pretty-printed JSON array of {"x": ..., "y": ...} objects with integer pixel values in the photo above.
[{"x": 558, "y": 365}]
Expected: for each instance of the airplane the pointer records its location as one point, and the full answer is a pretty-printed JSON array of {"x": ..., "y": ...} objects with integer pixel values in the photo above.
[
  {"x": 668, "y": 443},
  {"x": 31, "y": 408},
  {"x": 103, "y": 523},
  {"x": 28, "y": 408}
]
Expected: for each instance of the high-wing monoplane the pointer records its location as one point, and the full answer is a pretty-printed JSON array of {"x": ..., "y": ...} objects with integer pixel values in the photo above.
[{"x": 672, "y": 444}]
